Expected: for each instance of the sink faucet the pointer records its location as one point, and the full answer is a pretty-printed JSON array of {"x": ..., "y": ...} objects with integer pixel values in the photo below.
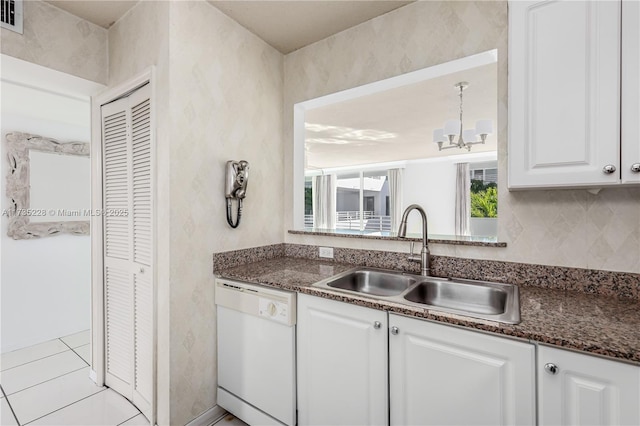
[{"x": 402, "y": 233}]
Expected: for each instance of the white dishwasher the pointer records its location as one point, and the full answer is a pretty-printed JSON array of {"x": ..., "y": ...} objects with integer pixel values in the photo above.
[{"x": 256, "y": 352}]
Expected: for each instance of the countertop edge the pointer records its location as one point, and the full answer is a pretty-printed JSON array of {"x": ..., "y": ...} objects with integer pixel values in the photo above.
[
  {"x": 457, "y": 242},
  {"x": 493, "y": 328}
]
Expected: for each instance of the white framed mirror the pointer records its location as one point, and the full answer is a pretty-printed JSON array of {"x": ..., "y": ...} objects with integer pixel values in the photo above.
[
  {"x": 370, "y": 152},
  {"x": 47, "y": 185}
]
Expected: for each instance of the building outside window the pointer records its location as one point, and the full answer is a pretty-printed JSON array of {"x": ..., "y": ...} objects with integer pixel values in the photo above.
[{"x": 361, "y": 201}]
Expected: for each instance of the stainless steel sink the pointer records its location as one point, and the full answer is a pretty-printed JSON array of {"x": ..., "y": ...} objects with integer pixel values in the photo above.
[
  {"x": 479, "y": 299},
  {"x": 371, "y": 281},
  {"x": 464, "y": 297}
]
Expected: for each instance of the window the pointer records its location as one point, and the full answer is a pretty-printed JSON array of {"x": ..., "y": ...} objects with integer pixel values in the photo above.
[
  {"x": 308, "y": 202},
  {"x": 361, "y": 199},
  {"x": 369, "y": 204}
]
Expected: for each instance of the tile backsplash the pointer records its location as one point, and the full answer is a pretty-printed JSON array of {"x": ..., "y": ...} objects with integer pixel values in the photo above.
[{"x": 590, "y": 281}]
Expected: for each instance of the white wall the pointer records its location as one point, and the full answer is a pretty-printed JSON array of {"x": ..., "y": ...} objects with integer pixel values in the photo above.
[
  {"x": 45, "y": 283},
  {"x": 432, "y": 185}
]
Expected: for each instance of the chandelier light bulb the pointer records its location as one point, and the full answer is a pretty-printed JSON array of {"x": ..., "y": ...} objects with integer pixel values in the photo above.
[
  {"x": 469, "y": 135},
  {"x": 452, "y": 127},
  {"x": 484, "y": 127},
  {"x": 438, "y": 136}
]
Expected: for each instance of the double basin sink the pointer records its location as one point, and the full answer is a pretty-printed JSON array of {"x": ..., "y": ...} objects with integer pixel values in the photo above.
[{"x": 478, "y": 299}]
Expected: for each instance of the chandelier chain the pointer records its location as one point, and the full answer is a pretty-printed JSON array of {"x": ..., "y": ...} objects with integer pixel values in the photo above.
[{"x": 461, "y": 125}]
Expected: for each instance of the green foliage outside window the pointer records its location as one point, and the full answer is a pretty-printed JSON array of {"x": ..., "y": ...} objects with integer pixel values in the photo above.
[{"x": 484, "y": 199}]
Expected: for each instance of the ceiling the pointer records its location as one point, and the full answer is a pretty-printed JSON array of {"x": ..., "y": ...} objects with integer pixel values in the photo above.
[
  {"x": 290, "y": 25},
  {"x": 285, "y": 25},
  {"x": 101, "y": 12},
  {"x": 398, "y": 124}
]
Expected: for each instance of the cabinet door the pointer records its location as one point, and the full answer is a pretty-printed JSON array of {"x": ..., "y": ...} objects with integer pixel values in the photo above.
[
  {"x": 342, "y": 363},
  {"x": 630, "y": 91},
  {"x": 564, "y": 93},
  {"x": 443, "y": 375},
  {"x": 586, "y": 390}
]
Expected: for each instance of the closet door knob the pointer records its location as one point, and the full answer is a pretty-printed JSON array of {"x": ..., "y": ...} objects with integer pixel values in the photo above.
[
  {"x": 635, "y": 167},
  {"x": 609, "y": 168}
]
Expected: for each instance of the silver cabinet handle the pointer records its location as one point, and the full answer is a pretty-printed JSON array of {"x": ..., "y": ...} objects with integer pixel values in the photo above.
[
  {"x": 377, "y": 325},
  {"x": 551, "y": 368},
  {"x": 635, "y": 167},
  {"x": 395, "y": 330},
  {"x": 609, "y": 168}
]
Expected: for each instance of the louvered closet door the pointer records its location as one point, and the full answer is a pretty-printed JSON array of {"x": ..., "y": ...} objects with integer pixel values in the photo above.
[
  {"x": 128, "y": 245},
  {"x": 141, "y": 208},
  {"x": 118, "y": 274}
]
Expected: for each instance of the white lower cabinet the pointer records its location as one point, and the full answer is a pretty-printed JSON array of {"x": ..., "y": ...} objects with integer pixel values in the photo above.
[
  {"x": 342, "y": 363},
  {"x": 437, "y": 374},
  {"x": 578, "y": 389},
  {"x": 443, "y": 375},
  {"x": 361, "y": 366}
]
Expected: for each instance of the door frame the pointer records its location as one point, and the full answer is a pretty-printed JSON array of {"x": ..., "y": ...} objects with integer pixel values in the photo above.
[{"x": 98, "y": 359}]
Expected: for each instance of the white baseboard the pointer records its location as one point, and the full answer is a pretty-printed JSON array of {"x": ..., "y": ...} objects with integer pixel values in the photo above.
[{"x": 208, "y": 417}]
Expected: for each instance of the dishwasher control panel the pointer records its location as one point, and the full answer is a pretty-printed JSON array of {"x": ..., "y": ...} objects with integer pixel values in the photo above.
[
  {"x": 264, "y": 302},
  {"x": 273, "y": 309}
]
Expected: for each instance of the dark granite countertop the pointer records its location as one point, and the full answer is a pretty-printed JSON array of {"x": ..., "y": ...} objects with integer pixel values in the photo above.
[{"x": 591, "y": 323}]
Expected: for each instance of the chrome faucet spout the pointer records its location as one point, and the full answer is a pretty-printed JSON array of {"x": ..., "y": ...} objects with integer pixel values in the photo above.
[{"x": 402, "y": 233}]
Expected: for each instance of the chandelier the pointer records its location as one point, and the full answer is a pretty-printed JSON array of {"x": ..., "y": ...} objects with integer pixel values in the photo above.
[{"x": 453, "y": 128}]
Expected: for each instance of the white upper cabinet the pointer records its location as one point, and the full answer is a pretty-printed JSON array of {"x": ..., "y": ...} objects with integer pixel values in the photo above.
[
  {"x": 440, "y": 375},
  {"x": 630, "y": 164},
  {"x": 577, "y": 389},
  {"x": 565, "y": 93}
]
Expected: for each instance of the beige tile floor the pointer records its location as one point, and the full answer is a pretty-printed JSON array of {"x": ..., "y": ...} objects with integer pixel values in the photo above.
[{"x": 48, "y": 384}]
